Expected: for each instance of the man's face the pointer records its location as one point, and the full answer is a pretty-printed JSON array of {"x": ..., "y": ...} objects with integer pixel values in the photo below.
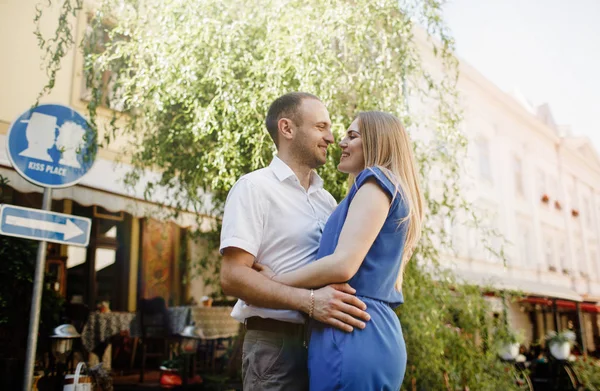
[{"x": 313, "y": 136}]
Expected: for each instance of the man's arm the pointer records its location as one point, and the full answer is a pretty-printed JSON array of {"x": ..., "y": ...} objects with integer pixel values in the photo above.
[
  {"x": 366, "y": 215},
  {"x": 334, "y": 305},
  {"x": 240, "y": 280}
]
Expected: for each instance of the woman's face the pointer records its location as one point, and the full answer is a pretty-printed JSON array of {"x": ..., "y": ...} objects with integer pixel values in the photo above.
[{"x": 353, "y": 159}]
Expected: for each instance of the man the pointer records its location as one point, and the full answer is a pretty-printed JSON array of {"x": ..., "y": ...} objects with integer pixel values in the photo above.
[{"x": 275, "y": 216}]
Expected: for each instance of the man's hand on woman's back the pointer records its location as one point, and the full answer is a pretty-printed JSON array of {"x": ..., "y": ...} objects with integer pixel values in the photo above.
[{"x": 337, "y": 306}]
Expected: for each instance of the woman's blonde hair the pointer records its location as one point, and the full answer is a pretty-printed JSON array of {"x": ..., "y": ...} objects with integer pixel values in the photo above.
[{"x": 386, "y": 145}]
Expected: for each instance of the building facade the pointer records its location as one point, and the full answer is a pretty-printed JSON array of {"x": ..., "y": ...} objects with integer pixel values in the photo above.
[{"x": 538, "y": 185}]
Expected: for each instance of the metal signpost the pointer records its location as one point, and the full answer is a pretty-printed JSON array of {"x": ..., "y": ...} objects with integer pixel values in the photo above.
[{"x": 51, "y": 146}]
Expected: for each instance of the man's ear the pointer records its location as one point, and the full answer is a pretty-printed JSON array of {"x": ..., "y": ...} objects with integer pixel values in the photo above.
[{"x": 286, "y": 128}]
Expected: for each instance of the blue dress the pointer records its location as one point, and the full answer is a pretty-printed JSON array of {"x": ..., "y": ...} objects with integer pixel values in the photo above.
[{"x": 374, "y": 358}]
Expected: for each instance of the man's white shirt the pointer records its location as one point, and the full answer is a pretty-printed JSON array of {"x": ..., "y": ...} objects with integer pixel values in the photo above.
[{"x": 271, "y": 216}]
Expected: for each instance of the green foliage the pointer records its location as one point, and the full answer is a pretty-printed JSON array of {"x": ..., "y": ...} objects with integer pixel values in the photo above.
[
  {"x": 506, "y": 335},
  {"x": 177, "y": 363},
  {"x": 56, "y": 48},
  {"x": 447, "y": 334},
  {"x": 561, "y": 337},
  {"x": 192, "y": 82},
  {"x": 501, "y": 333},
  {"x": 16, "y": 288},
  {"x": 588, "y": 371}
]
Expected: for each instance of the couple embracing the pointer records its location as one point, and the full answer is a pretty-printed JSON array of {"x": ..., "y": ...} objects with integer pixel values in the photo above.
[{"x": 318, "y": 282}]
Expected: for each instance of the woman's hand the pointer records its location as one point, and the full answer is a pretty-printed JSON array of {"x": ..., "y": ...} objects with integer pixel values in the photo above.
[{"x": 264, "y": 270}]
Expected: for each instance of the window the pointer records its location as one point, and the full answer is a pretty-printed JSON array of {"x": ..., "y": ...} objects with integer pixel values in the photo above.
[
  {"x": 581, "y": 260},
  {"x": 456, "y": 236},
  {"x": 562, "y": 254},
  {"x": 489, "y": 239},
  {"x": 106, "y": 269},
  {"x": 457, "y": 239},
  {"x": 105, "y": 257},
  {"x": 553, "y": 188},
  {"x": 448, "y": 228},
  {"x": 573, "y": 196},
  {"x": 76, "y": 256},
  {"x": 497, "y": 239},
  {"x": 541, "y": 183},
  {"x": 518, "y": 173},
  {"x": 526, "y": 254},
  {"x": 106, "y": 273},
  {"x": 587, "y": 213},
  {"x": 475, "y": 249},
  {"x": 111, "y": 92},
  {"x": 483, "y": 151},
  {"x": 549, "y": 252},
  {"x": 598, "y": 216},
  {"x": 593, "y": 261},
  {"x": 451, "y": 236},
  {"x": 100, "y": 272}
]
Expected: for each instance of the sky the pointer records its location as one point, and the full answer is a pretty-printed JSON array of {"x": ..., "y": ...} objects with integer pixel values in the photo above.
[{"x": 549, "y": 50}]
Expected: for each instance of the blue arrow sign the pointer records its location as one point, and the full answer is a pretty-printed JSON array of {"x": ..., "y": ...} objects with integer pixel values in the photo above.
[
  {"x": 42, "y": 225},
  {"x": 51, "y": 146}
]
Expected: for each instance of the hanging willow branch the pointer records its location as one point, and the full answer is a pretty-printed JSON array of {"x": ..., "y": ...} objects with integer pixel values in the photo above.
[
  {"x": 54, "y": 49},
  {"x": 190, "y": 82}
]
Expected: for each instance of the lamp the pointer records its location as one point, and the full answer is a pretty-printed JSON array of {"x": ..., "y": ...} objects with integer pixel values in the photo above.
[{"x": 62, "y": 340}]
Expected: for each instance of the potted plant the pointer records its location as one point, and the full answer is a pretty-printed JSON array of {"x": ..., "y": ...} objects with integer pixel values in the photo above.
[
  {"x": 170, "y": 372},
  {"x": 560, "y": 343},
  {"x": 507, "y": 343},
  {"x": 574, "y": 212}
]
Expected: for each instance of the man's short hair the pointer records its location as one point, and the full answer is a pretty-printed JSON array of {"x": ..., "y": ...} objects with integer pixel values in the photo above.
[{"x": 286, "y": 106}]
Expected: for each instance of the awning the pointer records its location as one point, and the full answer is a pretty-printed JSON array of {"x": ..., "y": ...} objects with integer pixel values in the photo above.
[
  {"x": 591, "y": 299},
  {"x": 104, "y": 186},
  {"x": 530, "y": 287},
  {"x": 88, "y": 196},
  {"x": 585, "y": 307}
]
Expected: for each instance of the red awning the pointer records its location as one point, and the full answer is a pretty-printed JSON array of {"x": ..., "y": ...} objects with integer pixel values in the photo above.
[{"x": 585, "y": 307}]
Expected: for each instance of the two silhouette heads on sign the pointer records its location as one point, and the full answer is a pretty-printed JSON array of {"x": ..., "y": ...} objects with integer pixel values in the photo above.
[{"x": 40, "y": 134}]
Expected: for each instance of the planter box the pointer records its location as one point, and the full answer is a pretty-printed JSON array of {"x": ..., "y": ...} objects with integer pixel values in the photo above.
[
  {"x": 560, "y": 351},
  {"x": 509, "y": 351}
]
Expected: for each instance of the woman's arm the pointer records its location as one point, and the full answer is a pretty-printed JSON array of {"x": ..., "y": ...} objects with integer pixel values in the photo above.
[{"x": 366, "y": 215}]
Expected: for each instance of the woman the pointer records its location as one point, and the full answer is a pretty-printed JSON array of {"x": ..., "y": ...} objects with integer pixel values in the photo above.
[{"x": 367, "y": 241}]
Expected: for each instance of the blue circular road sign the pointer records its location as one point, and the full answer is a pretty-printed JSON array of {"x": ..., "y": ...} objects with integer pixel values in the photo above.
[{"x": 51, "y": 146}]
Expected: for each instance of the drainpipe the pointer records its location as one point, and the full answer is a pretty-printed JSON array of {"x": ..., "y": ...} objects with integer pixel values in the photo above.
[
  {"x": 571, "y": 258},
  {"x": 545, "y": 324},
  {"x": 581, "y": 329},
  {"x": 555, "y": 313},
  {"x": 533, "y": 319}
]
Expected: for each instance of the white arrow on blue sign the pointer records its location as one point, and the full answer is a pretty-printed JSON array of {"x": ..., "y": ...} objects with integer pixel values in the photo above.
[{"x": 42, "y": 225}]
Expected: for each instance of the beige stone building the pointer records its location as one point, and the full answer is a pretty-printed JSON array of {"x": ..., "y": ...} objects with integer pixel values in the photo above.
[{"x": 539, "y": 186}]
